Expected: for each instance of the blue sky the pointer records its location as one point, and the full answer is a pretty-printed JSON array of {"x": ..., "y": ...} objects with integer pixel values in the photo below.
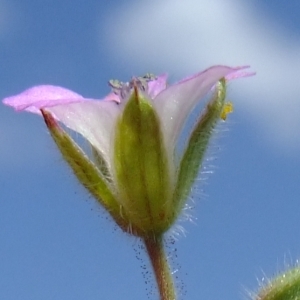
[{"x": 55, "y": 242}]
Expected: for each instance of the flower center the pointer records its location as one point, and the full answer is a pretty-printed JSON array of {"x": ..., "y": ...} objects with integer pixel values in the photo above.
[{"x": 124, "y": 89}]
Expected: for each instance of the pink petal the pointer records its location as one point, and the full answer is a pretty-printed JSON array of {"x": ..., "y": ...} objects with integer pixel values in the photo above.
[
  {"x": 94, "y": 120},
  {"x": 240, "y": 74},
  {"x": 42, "y": 96},
  {"x": 174, "y": 104},
  {"x": 156, "y": 86},
  {"x": 112, "y": 97}
]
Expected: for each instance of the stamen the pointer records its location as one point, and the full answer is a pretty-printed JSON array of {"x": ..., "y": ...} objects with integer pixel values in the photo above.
[{"x": 123, "y": 89}]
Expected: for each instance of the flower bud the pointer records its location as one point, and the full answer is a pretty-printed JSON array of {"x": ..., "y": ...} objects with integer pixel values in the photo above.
[{"x": 286, "y": 286}]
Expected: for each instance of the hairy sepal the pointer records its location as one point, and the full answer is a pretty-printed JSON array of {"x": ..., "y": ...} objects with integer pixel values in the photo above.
[
  {"x": 141, "y": 166},
  {"x": 86, "y": 171},
  {"x": 197, "y": 144},
  {"x": 284, "y": 287}
]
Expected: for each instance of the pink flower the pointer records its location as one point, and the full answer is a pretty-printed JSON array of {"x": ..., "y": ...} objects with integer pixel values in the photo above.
[{"x": 133, "y": 132}]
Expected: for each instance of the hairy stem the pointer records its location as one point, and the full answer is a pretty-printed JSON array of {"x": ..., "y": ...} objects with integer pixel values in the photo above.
[{"x": 159, "y": 262}]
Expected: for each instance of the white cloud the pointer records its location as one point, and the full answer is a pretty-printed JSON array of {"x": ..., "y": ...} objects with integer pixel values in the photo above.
[{"x": 185, "y": 36}]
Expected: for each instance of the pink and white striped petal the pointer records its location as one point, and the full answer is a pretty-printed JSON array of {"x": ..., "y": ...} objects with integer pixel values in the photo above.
[
  {"x": 37, "y": 97},
  {"x": 174, "y": 104},
  {"x": 93, "y": 119}
]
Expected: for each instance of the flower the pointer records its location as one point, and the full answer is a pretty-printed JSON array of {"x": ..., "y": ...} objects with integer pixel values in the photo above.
[{"x": 133, "y": 134}]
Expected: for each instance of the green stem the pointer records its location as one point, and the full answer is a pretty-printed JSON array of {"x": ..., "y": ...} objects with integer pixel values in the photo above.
[{"x": 159, "y": 262}]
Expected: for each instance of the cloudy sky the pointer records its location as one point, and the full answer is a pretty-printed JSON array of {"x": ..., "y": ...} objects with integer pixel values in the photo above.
[{"x": 55, "y": 243}]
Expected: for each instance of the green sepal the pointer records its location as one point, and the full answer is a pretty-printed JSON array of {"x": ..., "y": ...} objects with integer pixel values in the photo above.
[
  {"x": 86, "y": 171},
  {"x": 101, "y": 164},
  {"x": 197, "y": 145},
  {"x": 141, "y": 166},
  {"x": 284, "y": 287}
]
